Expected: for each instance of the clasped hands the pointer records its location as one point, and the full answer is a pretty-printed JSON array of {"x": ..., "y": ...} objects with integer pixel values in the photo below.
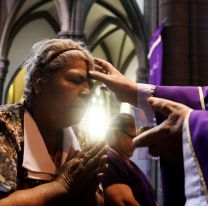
[{"x": 83, "y": 172}]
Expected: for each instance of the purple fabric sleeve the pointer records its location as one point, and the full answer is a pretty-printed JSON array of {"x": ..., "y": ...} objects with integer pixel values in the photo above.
[
  {"x": 198, "y": 130},
  {"x": 185, "y": 95},
  {"x": 173, "y": 173}
]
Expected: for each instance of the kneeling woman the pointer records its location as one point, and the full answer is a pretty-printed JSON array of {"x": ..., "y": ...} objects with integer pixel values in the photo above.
[{"x": 37, "y": 152}]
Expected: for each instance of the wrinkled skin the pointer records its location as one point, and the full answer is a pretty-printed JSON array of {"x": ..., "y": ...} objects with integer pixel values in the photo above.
[
  {"x": 82, "y": 174},
  {"x": 124, "y": 89},
  {"x": 165, "y": 140}
]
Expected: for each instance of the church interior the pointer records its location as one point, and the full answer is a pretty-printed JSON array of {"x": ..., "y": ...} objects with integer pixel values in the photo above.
[{"x": 119, "y": 31}]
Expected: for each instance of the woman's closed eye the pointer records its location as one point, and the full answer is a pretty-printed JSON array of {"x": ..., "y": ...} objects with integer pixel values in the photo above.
[
  {"x": 79, "y": 80},
  {"x": 76, "y": 79}
]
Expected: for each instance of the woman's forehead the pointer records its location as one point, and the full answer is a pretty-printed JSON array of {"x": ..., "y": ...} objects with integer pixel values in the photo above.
[
  {"x": 81, "y": 54},
  {"x": 77, "y": 67},
  {"x": 80, "y": 59},
  {"x": 79, "y": 62}
]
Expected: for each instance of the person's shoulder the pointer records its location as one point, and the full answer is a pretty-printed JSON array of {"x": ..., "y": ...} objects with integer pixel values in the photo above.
[
  {"x": 116, "y": 172},
  {"x": 11, "y": 125},
  {"x": 10, "y": 110},
  {"x": 114, "y": 160},
  {"x": 111, "y": 155},
  {"x": 11, "y": 107},
  {"x": 11, "y": 117}
]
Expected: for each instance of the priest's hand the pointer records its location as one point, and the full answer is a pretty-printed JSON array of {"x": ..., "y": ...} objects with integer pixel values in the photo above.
[
  {"x": 124, "y": 89},
  {"x": 165, "y": 140}
]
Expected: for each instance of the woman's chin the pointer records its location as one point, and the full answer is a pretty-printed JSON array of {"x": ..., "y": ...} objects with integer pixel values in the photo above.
[{"x": 73, "y": 121}]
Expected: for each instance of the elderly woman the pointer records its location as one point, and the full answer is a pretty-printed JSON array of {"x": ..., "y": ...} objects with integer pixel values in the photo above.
[{"x": 38, "y": 164}]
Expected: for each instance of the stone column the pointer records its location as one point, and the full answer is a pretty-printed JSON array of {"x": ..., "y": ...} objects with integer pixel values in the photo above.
[
  {"x": 72, "y": 15},
  {"x": 198, "y": 42},
  {"x": 68, "y": 35},
  {"x": 142, "y": 74},
  {"x": 176, "y": 67},
  {"x": 3, "y": 72},
  {"x": 175, "y": 15}
]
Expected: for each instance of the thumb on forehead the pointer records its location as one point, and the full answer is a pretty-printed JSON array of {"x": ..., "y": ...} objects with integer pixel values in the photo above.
[
  {"x": 98, "y": 76},
  {"x": 106, "y": 79}
]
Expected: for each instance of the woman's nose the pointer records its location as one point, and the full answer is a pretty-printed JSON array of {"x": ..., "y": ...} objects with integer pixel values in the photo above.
[{"x": 86, "y": 92}]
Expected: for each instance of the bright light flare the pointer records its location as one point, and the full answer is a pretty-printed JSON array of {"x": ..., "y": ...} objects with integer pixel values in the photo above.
[
  {"x": 125, "y": 108},
  {"x": 95, "y": 123}
]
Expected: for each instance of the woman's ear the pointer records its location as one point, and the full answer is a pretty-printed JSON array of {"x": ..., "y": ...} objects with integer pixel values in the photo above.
[{"x": 36, "y": 81}]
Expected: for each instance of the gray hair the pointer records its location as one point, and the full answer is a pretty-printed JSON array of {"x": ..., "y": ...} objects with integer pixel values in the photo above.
[{"x": 48, "y": 56}]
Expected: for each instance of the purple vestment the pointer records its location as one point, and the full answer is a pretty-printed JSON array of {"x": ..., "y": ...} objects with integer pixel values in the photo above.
[
  {"x": 121, "y": 172},
  {"x": 195, "y": 139},
  {"x": 155, "y": 57}
]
